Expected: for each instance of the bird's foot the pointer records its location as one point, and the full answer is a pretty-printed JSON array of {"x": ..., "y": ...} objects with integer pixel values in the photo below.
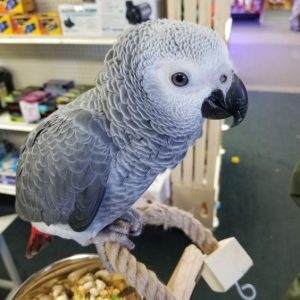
[
  {"x": 119, "y": 231},
  {"x": 132, "y": 218}
]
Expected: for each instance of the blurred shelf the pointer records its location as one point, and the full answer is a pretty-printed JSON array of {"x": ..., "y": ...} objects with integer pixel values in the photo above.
[
  {"x": 8, "y": 189},
  {"x": 59, "y": 40},
  {"x": 7, "y": 124},
  {"x": 252, "y": 11}
]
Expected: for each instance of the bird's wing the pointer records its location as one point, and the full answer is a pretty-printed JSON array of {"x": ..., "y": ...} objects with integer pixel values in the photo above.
[{"x": 63, "y": 170}]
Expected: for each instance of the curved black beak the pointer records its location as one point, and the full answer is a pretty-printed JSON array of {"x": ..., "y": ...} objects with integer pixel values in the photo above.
[{"x": 235, "y": 103}]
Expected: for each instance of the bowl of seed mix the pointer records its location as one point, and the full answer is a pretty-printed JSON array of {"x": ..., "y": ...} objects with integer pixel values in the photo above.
[{"x": 79, "y": 277}]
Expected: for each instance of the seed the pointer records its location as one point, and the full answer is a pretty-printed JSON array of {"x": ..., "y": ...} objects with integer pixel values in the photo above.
[
  {"x": 100, "y": 284},
  {"x": 57, "y": 290},
  {"x": 88, "y": 285}
]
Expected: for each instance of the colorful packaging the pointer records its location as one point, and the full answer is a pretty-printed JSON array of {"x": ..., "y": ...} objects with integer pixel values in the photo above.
[
  {"x": 49, "y": 24},
  {"x": 29, "y": 104},
  {"x": 58, "y": 87},
  {"x": 47, "y": 106},
  {"x": 34, "y": 103},
  {"x": 16, "y": 6},
  {"x": 8, "y": 168},
  {"x": 25, "y": 24},
  {"x": 65, "y": 99},
  {"x": 13, "y": 106},
  {"x": 72, "y": 94},
  {"x": 5, "y": 25}
]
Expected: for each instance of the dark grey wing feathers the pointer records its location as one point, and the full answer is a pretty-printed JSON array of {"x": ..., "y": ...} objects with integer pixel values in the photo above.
[
  {"x": 85, "y": 210},
  {"x": 63, "y": 170}
]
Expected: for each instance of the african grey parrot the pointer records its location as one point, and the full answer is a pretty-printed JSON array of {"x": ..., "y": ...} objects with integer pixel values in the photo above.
[{"x": 86, "y": 164}]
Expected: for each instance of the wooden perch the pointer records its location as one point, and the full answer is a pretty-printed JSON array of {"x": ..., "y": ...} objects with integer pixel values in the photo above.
[{"x": 186, "y": 273}]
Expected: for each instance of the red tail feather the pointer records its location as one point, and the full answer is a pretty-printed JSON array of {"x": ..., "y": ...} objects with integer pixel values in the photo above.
[{"x": 37, "y": 241}]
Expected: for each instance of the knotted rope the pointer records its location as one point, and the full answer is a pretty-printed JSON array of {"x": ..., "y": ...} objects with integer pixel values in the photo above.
[{"x": 135, "y": 273}]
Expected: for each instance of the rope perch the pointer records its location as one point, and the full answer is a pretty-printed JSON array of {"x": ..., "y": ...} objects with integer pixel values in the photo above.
[
  {"x": 174, "y": 217},
  {"x": 145, "y": 281}
]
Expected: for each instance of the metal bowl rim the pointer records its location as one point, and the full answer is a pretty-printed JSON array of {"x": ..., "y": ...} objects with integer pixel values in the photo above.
[{"x": 52, "y": 265}]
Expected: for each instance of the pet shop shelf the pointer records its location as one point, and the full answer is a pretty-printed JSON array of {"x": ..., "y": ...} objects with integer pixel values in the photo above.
[
  {"x": 57, "y": 40},
  {"x": 8, "y": 189},
  {"x": 7, "y": 124},
  {"x": 247, "y": 9}
]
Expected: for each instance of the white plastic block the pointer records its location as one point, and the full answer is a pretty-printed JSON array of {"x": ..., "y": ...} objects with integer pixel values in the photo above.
[{"x": 226, "y": 265}]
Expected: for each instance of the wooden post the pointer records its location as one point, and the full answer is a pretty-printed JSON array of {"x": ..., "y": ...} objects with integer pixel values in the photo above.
[
  {"x": 188, "y": 163},
  {"x": 205, "y": 12},
  {"x": 190, "y": 10},
  {"x": 200, "y": 158},
  {"x": 195, "y": 182},
  {"x": 174, "y": 9},
  {"x": 222, "y": 14},
  {"x": 186, "y": 273}
]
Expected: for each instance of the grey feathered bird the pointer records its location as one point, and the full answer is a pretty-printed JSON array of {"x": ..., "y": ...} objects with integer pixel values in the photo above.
[{"x": 85, "y": 165}]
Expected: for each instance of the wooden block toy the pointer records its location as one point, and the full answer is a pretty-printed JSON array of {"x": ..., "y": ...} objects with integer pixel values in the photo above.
[
  {"x": 186, "y": 273},
  {"x": 226, "y": 265}
]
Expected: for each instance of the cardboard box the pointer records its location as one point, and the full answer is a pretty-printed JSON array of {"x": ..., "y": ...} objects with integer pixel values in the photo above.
[
  {"x": 25, "y": 24},
  {"x": 5, "y": 25},
  {"x": 49, "y": 24},
  {"x": 80, "y": 20},
  {"x": 119, "y": 15},
  {"x": 17, "y": 6}
]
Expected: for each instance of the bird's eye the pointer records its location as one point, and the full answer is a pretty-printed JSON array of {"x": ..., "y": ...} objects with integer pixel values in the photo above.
[
  {"x": 180, "y": 79},
  {"x": 223, "y": 78}
]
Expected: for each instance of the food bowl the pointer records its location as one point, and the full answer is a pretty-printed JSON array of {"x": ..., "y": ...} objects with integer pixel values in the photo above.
[{"x": 79, "y": 277}]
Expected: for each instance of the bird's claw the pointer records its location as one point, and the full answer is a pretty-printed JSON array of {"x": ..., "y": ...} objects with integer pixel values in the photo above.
[
  {"x": 119, "y": 231},
  {"x": 132, "y": 218}
]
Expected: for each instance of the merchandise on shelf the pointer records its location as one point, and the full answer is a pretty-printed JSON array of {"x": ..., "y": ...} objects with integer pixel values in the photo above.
[
  {"x": 29, "y": 104},
  {"x": 49, "y": 24},
  {"x": 119, "y": 15},
  {"x": 71, "y": 95},
  {"x": 9, "y": 157},
  {"x": 5, "y": 25},
  {"x": 25, "y": 24},
  {"x": 17, "y": 6},
  {"x": 34, "y": 103},
  {"x": 6, "y": 86},
  {"x": 246, "y": 8},
  {"x": 84, "y": 20},
  {"x": 13, "y": 103},
  {"x": 47, "y": 106},
  {"x": 58, "y": 87}
]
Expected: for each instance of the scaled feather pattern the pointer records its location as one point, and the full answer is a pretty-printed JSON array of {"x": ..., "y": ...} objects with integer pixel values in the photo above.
[{"x": 87, "y": 163}]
